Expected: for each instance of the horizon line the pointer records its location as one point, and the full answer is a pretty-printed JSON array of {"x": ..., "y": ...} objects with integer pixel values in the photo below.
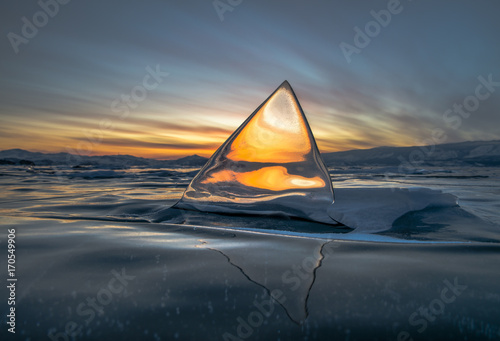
[{"x": 190, "y": 155}]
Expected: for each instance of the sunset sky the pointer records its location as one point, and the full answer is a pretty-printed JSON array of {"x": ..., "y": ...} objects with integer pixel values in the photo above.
[{"x": 92, "y": 78}]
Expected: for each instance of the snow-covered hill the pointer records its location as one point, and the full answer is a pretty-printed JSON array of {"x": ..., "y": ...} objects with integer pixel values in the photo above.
[{"x": 480, "y": 153}]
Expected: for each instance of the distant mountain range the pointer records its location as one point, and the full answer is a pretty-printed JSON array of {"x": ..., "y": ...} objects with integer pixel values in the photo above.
[
  {"x": 24, "y": 157},
  {"x": 479, "y": 153}
]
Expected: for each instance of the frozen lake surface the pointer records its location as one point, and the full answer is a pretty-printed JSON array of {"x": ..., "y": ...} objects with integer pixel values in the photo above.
[{"x": 100, "y": 256}]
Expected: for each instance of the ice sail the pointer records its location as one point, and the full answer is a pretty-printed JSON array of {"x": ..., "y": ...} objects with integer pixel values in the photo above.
[{"x": 269, "y": 165}]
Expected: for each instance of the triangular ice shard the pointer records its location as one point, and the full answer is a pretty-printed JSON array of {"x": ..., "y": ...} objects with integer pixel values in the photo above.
[{"x": 269, "y": 165}]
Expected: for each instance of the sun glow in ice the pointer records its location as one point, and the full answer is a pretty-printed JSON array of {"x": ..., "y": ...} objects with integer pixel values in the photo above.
[
  {"x": 275, "y": 133},
  {"x": 274, "y": 178}
]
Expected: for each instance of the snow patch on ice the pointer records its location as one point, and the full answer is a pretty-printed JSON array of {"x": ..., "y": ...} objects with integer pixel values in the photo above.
[{"x": 375, "y": 209}]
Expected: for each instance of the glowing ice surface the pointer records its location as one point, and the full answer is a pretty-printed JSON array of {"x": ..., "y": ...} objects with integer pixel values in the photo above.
[{"x": 269, "y": 165}]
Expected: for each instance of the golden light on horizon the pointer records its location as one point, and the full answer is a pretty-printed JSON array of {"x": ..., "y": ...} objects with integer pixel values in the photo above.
[{"x": 147, "y": 134}]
